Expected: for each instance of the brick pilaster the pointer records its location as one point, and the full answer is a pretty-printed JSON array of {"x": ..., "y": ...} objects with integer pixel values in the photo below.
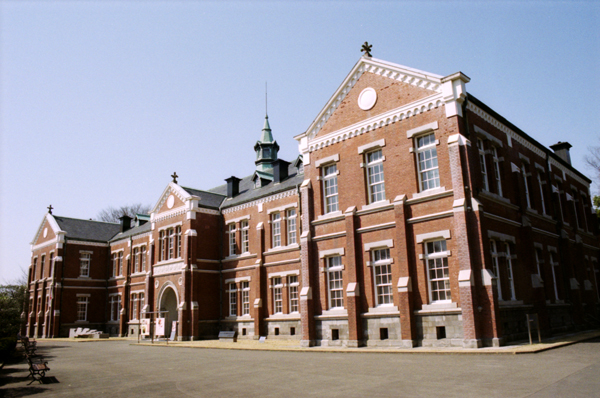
[
  {"x": 306, "y": 300},
  {"x": 355, "y": 332}
]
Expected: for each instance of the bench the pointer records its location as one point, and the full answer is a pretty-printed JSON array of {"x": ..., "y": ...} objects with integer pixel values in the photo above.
[
  {"x": 86, "y": 333},
  {"x": 29, "y": 346},
  {"x": 228, "y": 336},
  {"x": 37, "y": 369}
]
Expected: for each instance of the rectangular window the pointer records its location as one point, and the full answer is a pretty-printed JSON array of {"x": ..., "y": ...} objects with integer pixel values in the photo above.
[
  {"x": 276, "y": 229},
  {"x": 538, "y": 261},
  {"x": 554, "y": 266},
  {"x": 573, "y": 200},
  {"x": 246, "y": 298},
  {"x": 143, "y": 258},
  {"x": 335, "y": 283},
  {"x": 277, "y": 296},
  {"x": 291, "y": 227},
  {"x": 134, "y": 306},
  {"x": 245, "y": 237},
  {"x": 497, "y": 175},
  {"x": 162, "y": 245},
  {"x": 375, "y": 176},
  {"x": 51, "y": 261},
  {"x": 509, "y": 272},
  {"x": 82, "y": 307},
  {"x": 120, "y": 263},
  {"x": 42, "y": 266},
  {"x": 482, "y": 164},
  {"x": 542, "y": 194},
  {"x": 115, "y": 267},
  {"x": 84, "y": 264},
  {"x": 496, "y": 266},
  {"x": 136, "y": 260},
  {"x": 330, "y": 188},
  {"x": 526, "y": 182},
  {"x": 427, "y": 163},
  {"x": 171, "y": 242},
  {"x": 178, "y": 237},
  {"x": 293, "y": 284},
  {"x": 232, "y": 299},
  {"x": 115, "y": 307},
  {"x": 232, "y": 239},
  {"x": 383, "y": 276},
  {"x": 34, "y": 269},
  {"x": 439, "y": 275}
]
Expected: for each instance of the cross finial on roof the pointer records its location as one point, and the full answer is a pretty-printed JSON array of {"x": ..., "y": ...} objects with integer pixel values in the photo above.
[
  {"x": 50, "y": 209},
  {"x": 366, "y": 48},
  {"x": 174, "y": 175}
]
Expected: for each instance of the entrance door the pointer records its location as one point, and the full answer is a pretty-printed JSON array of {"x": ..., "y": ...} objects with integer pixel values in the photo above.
[{"x": 169, "y": 304}]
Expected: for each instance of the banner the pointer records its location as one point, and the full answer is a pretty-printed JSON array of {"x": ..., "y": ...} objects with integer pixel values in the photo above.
[
  {"x": 145, "y": 327},
  {"x": 160, "y": 327}
]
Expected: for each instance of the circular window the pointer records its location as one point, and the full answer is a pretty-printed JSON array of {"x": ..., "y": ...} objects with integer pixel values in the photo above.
[
  {"x": 170, "y": 201},
  {"x": 367, "y": 98}
]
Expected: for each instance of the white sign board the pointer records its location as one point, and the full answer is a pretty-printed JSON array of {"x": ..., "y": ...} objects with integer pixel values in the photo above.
[
  {"x": 145, "y": 325},
  {"x": 160, "y": 327}
]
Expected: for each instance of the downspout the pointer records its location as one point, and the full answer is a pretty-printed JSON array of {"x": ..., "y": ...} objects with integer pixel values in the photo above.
[
  {"x": 62, "y": 283},
  {"x": 221, "y": 221}
]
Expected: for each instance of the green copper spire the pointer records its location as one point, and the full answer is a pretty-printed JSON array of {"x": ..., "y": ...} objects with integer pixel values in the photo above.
[
  {"x": 266, "y": 136},
  {"x": 266, "y": 149}
]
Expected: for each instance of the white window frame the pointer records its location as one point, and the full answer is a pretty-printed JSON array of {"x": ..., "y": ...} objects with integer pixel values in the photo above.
[
  {"x": 134, "y": 305},
  {"x": 510, "y": 272},
  {"x": 245, "y": 297},
  {"x": 115, "y": 307},
  {"x": 496, "y": 266},
  {"x": 335, "y": 282},
  {"x": 541, "y": 185},
  {"x": 527, "y": 193},
  {"x": 330, "y": 174},
  {"x": 437, "y": 257},
  {"x": 376, "y": 190},
  {"x": 276, "y": 229},
  {"x": 136, "y": 260},
  {"x": 245, "y": 226},
  {"x": 277, "y": 295},
  {"x": 143, "y": 253},
  {"x": 554, "y": 264},
  {"x": 82, "y": 308},
  {"x": 178, "y": 237},
  {"x": 233, "y": 299},
  {"x": 291, "y": 217},
  {"x": 539, "y": 260},
  {"x": 232, "y": 243},
  {"x": 382, "y": 268},
  {"x": 293, "y": 285},
  {"x": 482, "y": 164},
  {"x": 431, "y": 146},
  {"x": 497, "y": 175},
  {"x": 85, "y": 260}
]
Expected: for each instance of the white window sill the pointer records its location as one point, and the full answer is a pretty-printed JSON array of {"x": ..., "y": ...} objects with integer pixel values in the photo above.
[
  {"x": 284, "y": 317},
  {"x": 329, "y": 216},
  {"x": 283, "y": 249},
  {"x": 169, "y": 261},
  {"x": 375, "y": 205},
  {"x": 82, "y": 322},
  {"x": 439, "y": 307},
  {"x": 382, "y": 310},
  {"x": 335, "y": 312},
  {"x": 242, "y": 256}
]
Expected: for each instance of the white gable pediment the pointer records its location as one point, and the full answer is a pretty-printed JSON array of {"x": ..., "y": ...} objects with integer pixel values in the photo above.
[
  {"x": 47, "y": 221},
  {"x": 415, "y": 77},
  {"x": 171, "y": 189}
]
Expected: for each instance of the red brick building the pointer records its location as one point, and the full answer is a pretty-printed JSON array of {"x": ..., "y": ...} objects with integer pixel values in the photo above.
[{"x": 414, "y": 215}]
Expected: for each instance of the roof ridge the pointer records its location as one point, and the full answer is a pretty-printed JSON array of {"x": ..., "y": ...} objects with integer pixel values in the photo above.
[{"x": 81, "y": 219}]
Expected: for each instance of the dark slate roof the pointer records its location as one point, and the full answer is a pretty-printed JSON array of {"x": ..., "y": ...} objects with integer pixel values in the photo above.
[
  {"x": 207, "y": 199},
  {"x": 97, "y": 231},
  {"x": 249, "y": 193},
  {"x": 133, "y": 231}
]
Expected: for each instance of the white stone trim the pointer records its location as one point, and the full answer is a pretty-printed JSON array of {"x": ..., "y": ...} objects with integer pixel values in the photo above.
[
  {"x": 329, "y": 159},
  {"x": 430, "y": 192},
  {"x": 372, "y": 145},
  {"x": 426, "y": 128},
  {"x": 389, "y": 243},
  {"x": 445, "y": 234},
  {"x": 501, "y": 237},
  {"x": 260, "y": 201},
  {"x": 283, "y": 273},
  {"x": 282, "y": 208},
  {"x": 237, "y": 220},
  {"x": 331, "y": 252},
  {"x": 480, "y": 131},
  {"x": 238, "y": 279}
]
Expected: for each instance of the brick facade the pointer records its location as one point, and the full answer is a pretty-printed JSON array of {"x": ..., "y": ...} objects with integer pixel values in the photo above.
[{"x": 415, "y": 215}]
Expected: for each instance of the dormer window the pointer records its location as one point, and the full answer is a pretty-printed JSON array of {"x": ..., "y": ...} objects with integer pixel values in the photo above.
[{"x": 266, "y": 152}]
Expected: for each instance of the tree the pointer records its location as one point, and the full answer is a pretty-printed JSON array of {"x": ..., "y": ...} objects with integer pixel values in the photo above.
[
  {"x": 112, "y": 214},
  {"x": 593, "y": 161}
]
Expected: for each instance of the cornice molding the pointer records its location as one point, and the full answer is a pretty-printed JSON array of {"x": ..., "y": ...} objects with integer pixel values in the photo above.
[
  {"x": 266, "y": 199},
  {"x": 554, "y": 163},
  {"x": 87, "y": 243}
]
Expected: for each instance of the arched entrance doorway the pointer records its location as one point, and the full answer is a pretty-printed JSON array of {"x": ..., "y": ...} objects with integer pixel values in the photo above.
[{"x": 168, "y": 302}]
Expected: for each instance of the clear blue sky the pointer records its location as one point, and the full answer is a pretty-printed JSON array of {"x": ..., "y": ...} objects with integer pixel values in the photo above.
[{"x": 102, "y": 101}]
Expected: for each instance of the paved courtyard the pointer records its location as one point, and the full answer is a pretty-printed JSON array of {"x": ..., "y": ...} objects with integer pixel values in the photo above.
[{"x": 122, "y": 369}]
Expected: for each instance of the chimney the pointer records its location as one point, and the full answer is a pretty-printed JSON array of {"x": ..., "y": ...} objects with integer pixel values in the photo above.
[
  {"x": 125, "y": 222},
  {"x": 561, "y": 149},
  {"x": 233, "y": 186},
  {"x": 280, "y": 170}
]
